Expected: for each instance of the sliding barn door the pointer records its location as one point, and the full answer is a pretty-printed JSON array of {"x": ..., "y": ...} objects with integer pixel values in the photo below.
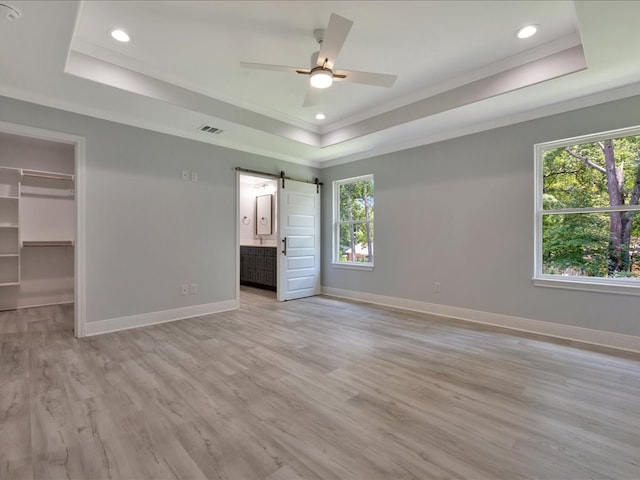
[{"x": 299, "y": 246}]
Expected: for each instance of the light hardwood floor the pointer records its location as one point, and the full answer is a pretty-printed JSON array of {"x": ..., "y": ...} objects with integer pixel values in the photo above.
[{"x": 316, "y": 388}]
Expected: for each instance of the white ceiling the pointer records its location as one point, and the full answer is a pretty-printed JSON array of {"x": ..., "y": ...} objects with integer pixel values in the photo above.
[{"x": 460, "y": 68}]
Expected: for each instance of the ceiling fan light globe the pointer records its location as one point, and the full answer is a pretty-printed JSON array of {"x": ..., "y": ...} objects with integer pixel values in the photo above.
[{"x": 321, "y": 78}]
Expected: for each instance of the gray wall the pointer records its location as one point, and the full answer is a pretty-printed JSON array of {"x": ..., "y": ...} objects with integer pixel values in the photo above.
[
  {"x": 148, "y": 231},
  {"x": 23, "y": 152},
  {"x": 460, "y": 212}
]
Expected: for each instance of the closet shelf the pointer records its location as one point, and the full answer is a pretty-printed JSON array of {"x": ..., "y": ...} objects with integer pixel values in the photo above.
[
  {"x": 10, "y": 197},
  {"x": 29, "y": 191},
  {"x": 47, "y": 243},
  {"x": 8, "y": 225},
  {"x": 8, "y": 255},
  {"x": 8, "y": 284},
  {"x": 48, "y": 175}
]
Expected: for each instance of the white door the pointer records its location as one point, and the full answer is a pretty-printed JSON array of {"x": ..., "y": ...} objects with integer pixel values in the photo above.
[{"x": 299, "y": 235}]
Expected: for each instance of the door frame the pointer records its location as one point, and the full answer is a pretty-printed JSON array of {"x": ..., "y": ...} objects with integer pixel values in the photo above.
[
  {"x": 238, "y": 175},
  {"x": 80, "y": 260}
]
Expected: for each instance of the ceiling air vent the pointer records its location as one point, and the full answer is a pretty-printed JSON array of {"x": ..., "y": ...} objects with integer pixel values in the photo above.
[{"x": 209, "y": 129}]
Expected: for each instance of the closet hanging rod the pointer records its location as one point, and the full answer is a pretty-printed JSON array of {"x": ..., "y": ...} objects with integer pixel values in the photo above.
[{"x": 52, "y": 177}]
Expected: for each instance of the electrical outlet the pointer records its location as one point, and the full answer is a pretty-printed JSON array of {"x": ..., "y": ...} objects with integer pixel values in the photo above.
[
  {"x": 194, "y": 176},
  {"x": 436, "y": 287},
  {"x": 193, "y": 288},
  {"x": 184, "y": 289},
  {"x": 185, "y": 174}
]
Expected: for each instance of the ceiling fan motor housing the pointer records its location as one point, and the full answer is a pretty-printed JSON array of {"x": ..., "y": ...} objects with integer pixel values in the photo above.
[
  {"x": 10, "y": 12},
  {"x": 318, "y": 34}
]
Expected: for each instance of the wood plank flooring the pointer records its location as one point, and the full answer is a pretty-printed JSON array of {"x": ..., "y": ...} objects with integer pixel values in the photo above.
[{"x": 316, "y": 388}]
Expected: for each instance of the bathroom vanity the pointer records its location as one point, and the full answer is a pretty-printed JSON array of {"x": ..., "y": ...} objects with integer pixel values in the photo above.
[{"x": 258, "y": 266}]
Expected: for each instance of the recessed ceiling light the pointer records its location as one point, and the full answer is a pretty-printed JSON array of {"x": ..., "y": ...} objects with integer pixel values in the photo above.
[
  {"x": 527, "y": 31},
  {"x": 320, "y": 116},
  {"x": 120, "y": 35}
]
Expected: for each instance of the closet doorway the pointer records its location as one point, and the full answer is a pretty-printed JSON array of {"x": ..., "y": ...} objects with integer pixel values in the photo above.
[{"x": 39, "y": 215}]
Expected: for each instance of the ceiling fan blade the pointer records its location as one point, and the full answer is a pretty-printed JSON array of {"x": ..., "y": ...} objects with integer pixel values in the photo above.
[
  {"x": 276, "y": 68},
  {"x": 334, "y": 38},
  {"x": 365, "y": 78},
  {"x": 312, "y": 98}
]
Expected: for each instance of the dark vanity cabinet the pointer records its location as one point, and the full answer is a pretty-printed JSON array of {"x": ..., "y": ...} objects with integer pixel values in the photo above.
[{"x": 258, "y": 267}]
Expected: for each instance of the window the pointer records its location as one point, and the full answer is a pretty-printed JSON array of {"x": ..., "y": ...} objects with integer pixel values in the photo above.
[
  {"x": 587, "y": 212},
  {"x": 353, "y": 222}
]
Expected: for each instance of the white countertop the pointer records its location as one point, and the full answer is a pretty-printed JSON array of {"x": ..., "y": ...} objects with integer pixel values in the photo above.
[{"x": 256, "y": 243}]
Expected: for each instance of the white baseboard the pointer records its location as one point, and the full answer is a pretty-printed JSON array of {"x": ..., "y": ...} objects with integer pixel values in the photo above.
[
  {"x": 63, "y": 302},
  {"x": 153, "y": 318},
  {"x": 20, "y": 307},
  {"x": 579, "y": 334}
]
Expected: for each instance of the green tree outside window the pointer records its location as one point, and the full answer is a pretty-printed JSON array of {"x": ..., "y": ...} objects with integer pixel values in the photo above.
[
  {"x": 590, "y": 209},
  {"x": 354, "y": 214}
]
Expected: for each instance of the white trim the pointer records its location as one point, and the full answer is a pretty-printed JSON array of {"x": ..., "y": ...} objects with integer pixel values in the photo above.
[
  {"x": 154, "y": 126},
  {"x": 567, "y": 332},
  {"x": 80, "y": 187},
  {"x": 238, "y": 186},
  {"x": 501, "y": 66},
  {"x": 338, "y": 158},
  {"x": 569, "y": 211},
  {"x": 153, "y": 318},
  {"x": 22, "y": 307},
  {"x": 110, "y": 57},
  {"x": 501, "y": 121},
  {"x": 353, "y": 265},
  {"x": 335, "y": 236},
  {"x": 538, "y": 151},
  {"x": 593, "y": 284},
  {"x": 622, "y": 286},
  {"x": 590, "y": 138},
  {"x": 359, "y": 178},
  {"x": 237, "y": 245},
  {"x": 80, "y": 276}
]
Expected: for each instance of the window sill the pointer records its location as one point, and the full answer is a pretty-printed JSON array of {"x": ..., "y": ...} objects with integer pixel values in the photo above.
[
  {"x": 352, "y": 266},
  {"x": 620, "y": 287}
]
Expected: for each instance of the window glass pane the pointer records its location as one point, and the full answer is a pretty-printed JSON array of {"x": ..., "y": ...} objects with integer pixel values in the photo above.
[
  {"x": 596, "y": 174},
  {"x": 356, "y": 201},
  {"x": 592, "y": 244},
  {"x": 355, "y": 242}
]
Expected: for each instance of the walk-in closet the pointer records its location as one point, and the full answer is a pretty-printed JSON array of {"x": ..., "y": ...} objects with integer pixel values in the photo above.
[{"x": 37, "y": 222}]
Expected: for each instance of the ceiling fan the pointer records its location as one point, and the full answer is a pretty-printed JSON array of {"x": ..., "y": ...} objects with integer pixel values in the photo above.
[{"x": 322, "y": 73}]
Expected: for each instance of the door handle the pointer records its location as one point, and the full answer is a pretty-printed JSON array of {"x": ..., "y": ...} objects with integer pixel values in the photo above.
[{"x": 284, "y": 240}]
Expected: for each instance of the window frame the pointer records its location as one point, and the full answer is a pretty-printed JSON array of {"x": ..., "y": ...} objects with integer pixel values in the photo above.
[
  {"x": 624, "y": 286},
  {"x": 335, "y": 240}
]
